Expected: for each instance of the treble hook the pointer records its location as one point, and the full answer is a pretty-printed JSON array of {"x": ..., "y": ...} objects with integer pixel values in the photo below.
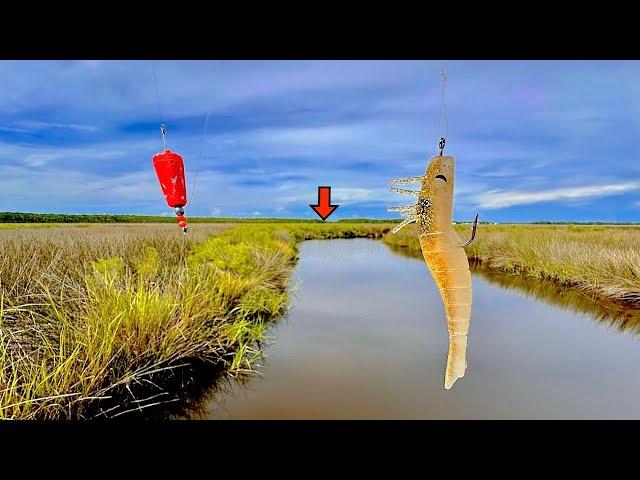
[{"x": 473, "y": 232}]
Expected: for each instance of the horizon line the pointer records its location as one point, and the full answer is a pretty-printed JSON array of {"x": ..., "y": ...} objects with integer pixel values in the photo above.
[{"x": 258, "y": 218}]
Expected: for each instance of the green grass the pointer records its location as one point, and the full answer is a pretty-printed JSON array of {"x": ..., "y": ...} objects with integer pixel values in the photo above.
[
  {"x": 601, "y": 260},
  {"x": 92, "y": 317}
]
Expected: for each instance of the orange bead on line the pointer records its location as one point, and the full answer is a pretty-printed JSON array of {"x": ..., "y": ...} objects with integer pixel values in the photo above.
[{"x": 182, "y": 224}]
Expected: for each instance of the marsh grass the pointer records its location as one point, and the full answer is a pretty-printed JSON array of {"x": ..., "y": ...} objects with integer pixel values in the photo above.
[
  {"x": 601, "y": 260},
  {"x": 12, "y": 226},
  {"x": 93, "y": 321}
]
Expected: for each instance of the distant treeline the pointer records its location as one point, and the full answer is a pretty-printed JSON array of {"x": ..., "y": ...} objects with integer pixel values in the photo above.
[{"x": 19, "y": 217}]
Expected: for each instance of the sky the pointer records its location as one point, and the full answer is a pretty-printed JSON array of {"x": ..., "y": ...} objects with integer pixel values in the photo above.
[{"x": 533, "y": 140}]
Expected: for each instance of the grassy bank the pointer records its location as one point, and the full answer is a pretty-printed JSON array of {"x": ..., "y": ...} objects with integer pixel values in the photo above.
[
  {"x": 601, "y": 260},
  {"x": 93, "y": 320}
]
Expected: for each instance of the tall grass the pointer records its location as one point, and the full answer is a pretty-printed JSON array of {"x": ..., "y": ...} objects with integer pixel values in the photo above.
[
  {"x": 92, "y": 320},
  {"x": 601, "y": 260}
]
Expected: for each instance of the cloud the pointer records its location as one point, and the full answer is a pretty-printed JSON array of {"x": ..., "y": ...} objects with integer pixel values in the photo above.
[
  {"x": 91, "y": 63},
  {"x": 497, "y": 199},
  {"x": 52, "y": 188},
  {"x": 352, "y": 195},
  {"x": 98, "y": 159},
  {"x": 310, "y": 136},
  {"x": 41, "y": 159},
  {"x": 341, "y": 195},
  {"x": 27, "y": 125},
  {"x": 13, "y": 129}
]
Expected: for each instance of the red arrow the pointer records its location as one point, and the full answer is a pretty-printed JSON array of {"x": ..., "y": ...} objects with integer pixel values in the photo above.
[{"x": 324, "y": 208}]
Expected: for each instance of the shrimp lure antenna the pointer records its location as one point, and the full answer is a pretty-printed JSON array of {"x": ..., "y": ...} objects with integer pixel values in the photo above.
[
  {"x": 169, "y": 167},
  {"x": 442, "y": 249}
]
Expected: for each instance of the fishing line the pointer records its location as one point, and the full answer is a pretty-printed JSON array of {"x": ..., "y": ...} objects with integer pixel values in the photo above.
[
  {"x": 201, "y": 156},
  {"x": 442, "y": 117},
  {"x": 195, "y": 178},
  {"x": 155, "y": 83}
]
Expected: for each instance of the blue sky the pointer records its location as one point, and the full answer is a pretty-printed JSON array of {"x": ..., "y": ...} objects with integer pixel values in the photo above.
[{"x": 533, "y": 140}]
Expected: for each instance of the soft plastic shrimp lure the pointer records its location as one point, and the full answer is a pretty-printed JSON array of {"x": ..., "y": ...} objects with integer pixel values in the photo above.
[{"x": 443, "y": 252}]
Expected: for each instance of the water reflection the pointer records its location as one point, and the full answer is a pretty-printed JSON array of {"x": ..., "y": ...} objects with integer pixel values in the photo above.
[{"x": 617, "y": 316}]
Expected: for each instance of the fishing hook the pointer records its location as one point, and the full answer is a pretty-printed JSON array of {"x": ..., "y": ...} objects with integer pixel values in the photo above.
[{"x": 473, "y": 232}]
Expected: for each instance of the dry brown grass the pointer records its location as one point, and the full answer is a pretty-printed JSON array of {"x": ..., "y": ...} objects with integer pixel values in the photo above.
[
  {"x": 58, "y": 306},
  {"x": 603, "y": 260}
]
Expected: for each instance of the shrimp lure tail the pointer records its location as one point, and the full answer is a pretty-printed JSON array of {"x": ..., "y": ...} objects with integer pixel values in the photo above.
[{"x": 456, "y": 360}]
